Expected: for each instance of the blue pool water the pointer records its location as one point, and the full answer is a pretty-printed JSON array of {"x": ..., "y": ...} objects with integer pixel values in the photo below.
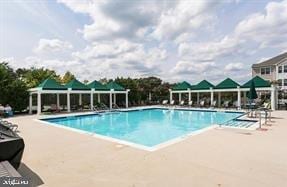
[{"x": 148, "y": 127}]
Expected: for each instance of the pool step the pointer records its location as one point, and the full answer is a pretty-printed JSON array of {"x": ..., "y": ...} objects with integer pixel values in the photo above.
[{"x": 239, "y": 123}]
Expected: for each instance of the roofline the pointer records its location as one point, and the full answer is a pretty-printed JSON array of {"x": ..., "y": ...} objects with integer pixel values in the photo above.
[{"x": 276, "y": 63}]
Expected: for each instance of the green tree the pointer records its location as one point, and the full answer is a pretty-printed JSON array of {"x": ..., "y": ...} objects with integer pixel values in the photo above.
[
  {"x": 148, "y": 86},
  {"x": 86, "y": 81},
  {"x": 104, "y": 80},
  {"x": 13, "y": 89},
  {"x": 34, "y": 76},
  {"x": 67, "y": 77}
]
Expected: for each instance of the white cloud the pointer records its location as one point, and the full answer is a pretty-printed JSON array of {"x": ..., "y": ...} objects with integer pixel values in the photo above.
[
  {"x": 185, "y": 67},
  {"x": 106, "y": 49},
  {"x": 120, "y": 57},
  {"x": 176, "y": 39},
  {"x": 234, "y": 67},
  {"x": 52, "y": 45},
  {"x": 257, "y": 31},
  {"x": 115, "y": 19},
  {"x": 163, "y": 19},
  {"x": 209, "y": 51},
  {"x": 269, "y": 28},
  {"x": 184, "y": 18}
]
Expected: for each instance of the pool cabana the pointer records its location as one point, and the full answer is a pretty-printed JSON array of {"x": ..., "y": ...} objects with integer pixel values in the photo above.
[
  {"x": 51, "y": 86},
  {"x": 227, "y": 85}
]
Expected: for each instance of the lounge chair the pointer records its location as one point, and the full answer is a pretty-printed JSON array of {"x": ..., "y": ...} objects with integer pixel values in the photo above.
[
  {"x": 7, "y": 170},
  {"x": 171, "y": 102},
  {"x": 201, "y": 104},
  {"x": 103, "y": 106},
  {"x": 9, "y": 125},
  {"x": 226, "y": 104},
  {"x": 181, "y": 103},
  {"x": 190, "y": 103},
  {"x": 54, "y": 108},
  {"x": 164, "y": 102},
  {"x": 134, "y": 103},
  {"x": 46, "y": 108},
  {"x": 266, "y": 107},
  {"x": 115, "y": 106},
  {"x": 213, "y": 104},
  {"x": 235, "y": 104}
]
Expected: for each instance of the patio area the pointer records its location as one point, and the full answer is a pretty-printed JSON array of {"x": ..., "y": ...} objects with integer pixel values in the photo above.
[{"x": 217, "y": 157}]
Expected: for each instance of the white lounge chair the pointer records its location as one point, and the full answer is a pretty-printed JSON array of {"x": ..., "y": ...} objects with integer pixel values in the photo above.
[
  {"x": 235, "y": 104},
  {"x": 190, "y": 103},
  {"x": 226, "y": 104},
  {"x": 164, "y": 102},
  {"x": 213, "y": 104},
  {"x": 202, "y": 103},
  {"x": 181, "y": 103},
  {"x": 172, "y": 102}
]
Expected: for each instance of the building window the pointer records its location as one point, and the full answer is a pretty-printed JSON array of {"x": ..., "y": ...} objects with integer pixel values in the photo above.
[
  {"x": 265, "y": 71},
  {"x": 280, "y": 69},
  {"x": 279, "y": 82},
  {"x": 285, "y": 82},
  {"x": 285, "y": 69},
  {"x": 268, "y": 70}
]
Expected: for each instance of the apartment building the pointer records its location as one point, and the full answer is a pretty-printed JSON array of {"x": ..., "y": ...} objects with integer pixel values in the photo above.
[{"x": 274, "y": 69}]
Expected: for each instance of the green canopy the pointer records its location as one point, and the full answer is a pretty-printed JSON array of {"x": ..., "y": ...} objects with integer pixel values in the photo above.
[
  {"x": 97, "y": 86},
  {"x": 258, "y": 82},
  {"x": 182, "y": 86},
  {"x": 227, "y": 84},
  {"x": 203, "y": 85},
  {"x": 115, "y": 86},
  {"x": 76, "y": 85},
  {"x": 51, "y": 84},
  {"x": 252, "y": 92}
]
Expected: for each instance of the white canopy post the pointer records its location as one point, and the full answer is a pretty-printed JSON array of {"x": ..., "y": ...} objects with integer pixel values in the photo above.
[
  {"x": 111, "y": 99},
  {"x": 170, "y": 95},
  {"x": 197, "y": 101},
  {"x": 219, "y": 99},
  {"x": 92, "y": 99},
  {"x": 127, "y": 98},
  {"x": 179, "y": 97},
  {"x": 189, "y": 95},
  {"x": 273, "y": 99},
  {"x": 238, "y": 98},
  {"x": 39, "y": 105},
  {"x": 211, "y": 96},
  {"x": 30, "y": 103},
  {"x": 68, "y": 100},
  {"x": 58, "y": 100},
  {"x": 99, "y": 98},
  {"x": 115, "y": 98},
  {"x": 80, "y": 99},
  {"x": 244, "y": 98}
]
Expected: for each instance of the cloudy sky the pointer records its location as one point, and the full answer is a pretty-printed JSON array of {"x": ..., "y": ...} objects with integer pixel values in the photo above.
[{"x": 175, "y": 40}]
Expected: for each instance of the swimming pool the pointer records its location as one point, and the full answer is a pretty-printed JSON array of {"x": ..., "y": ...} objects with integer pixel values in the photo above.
[{"x": 149, "y": 127}]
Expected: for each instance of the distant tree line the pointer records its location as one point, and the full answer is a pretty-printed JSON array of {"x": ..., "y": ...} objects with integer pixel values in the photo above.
[{"x": 14, "y": 85}]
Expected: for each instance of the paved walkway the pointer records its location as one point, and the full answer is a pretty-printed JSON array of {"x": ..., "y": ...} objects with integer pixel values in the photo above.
[{"x": 218, "y": 157}]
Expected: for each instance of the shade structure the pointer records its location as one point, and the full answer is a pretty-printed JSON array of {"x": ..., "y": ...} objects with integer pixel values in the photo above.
[
  {"x": 203, "y": 85},
  {"x": 227, "y": 84},
  {"x": 182, "y": 86},
  {"x": 76, "y": 85},
  {"x": 115, "y": 86},
  {"x": 252, "y": 92},
  {"x": 258, "y": 83},
  {"x": 51, "y": 84},
  {"x": 98, "y": 86}
]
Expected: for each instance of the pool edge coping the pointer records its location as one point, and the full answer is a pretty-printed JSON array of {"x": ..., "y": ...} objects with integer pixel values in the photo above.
[{"x": 138, "y": 146}]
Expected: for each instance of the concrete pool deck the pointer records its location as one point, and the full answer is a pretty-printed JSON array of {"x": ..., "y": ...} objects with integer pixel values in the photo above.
[{"x": 217, "y": 157}]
